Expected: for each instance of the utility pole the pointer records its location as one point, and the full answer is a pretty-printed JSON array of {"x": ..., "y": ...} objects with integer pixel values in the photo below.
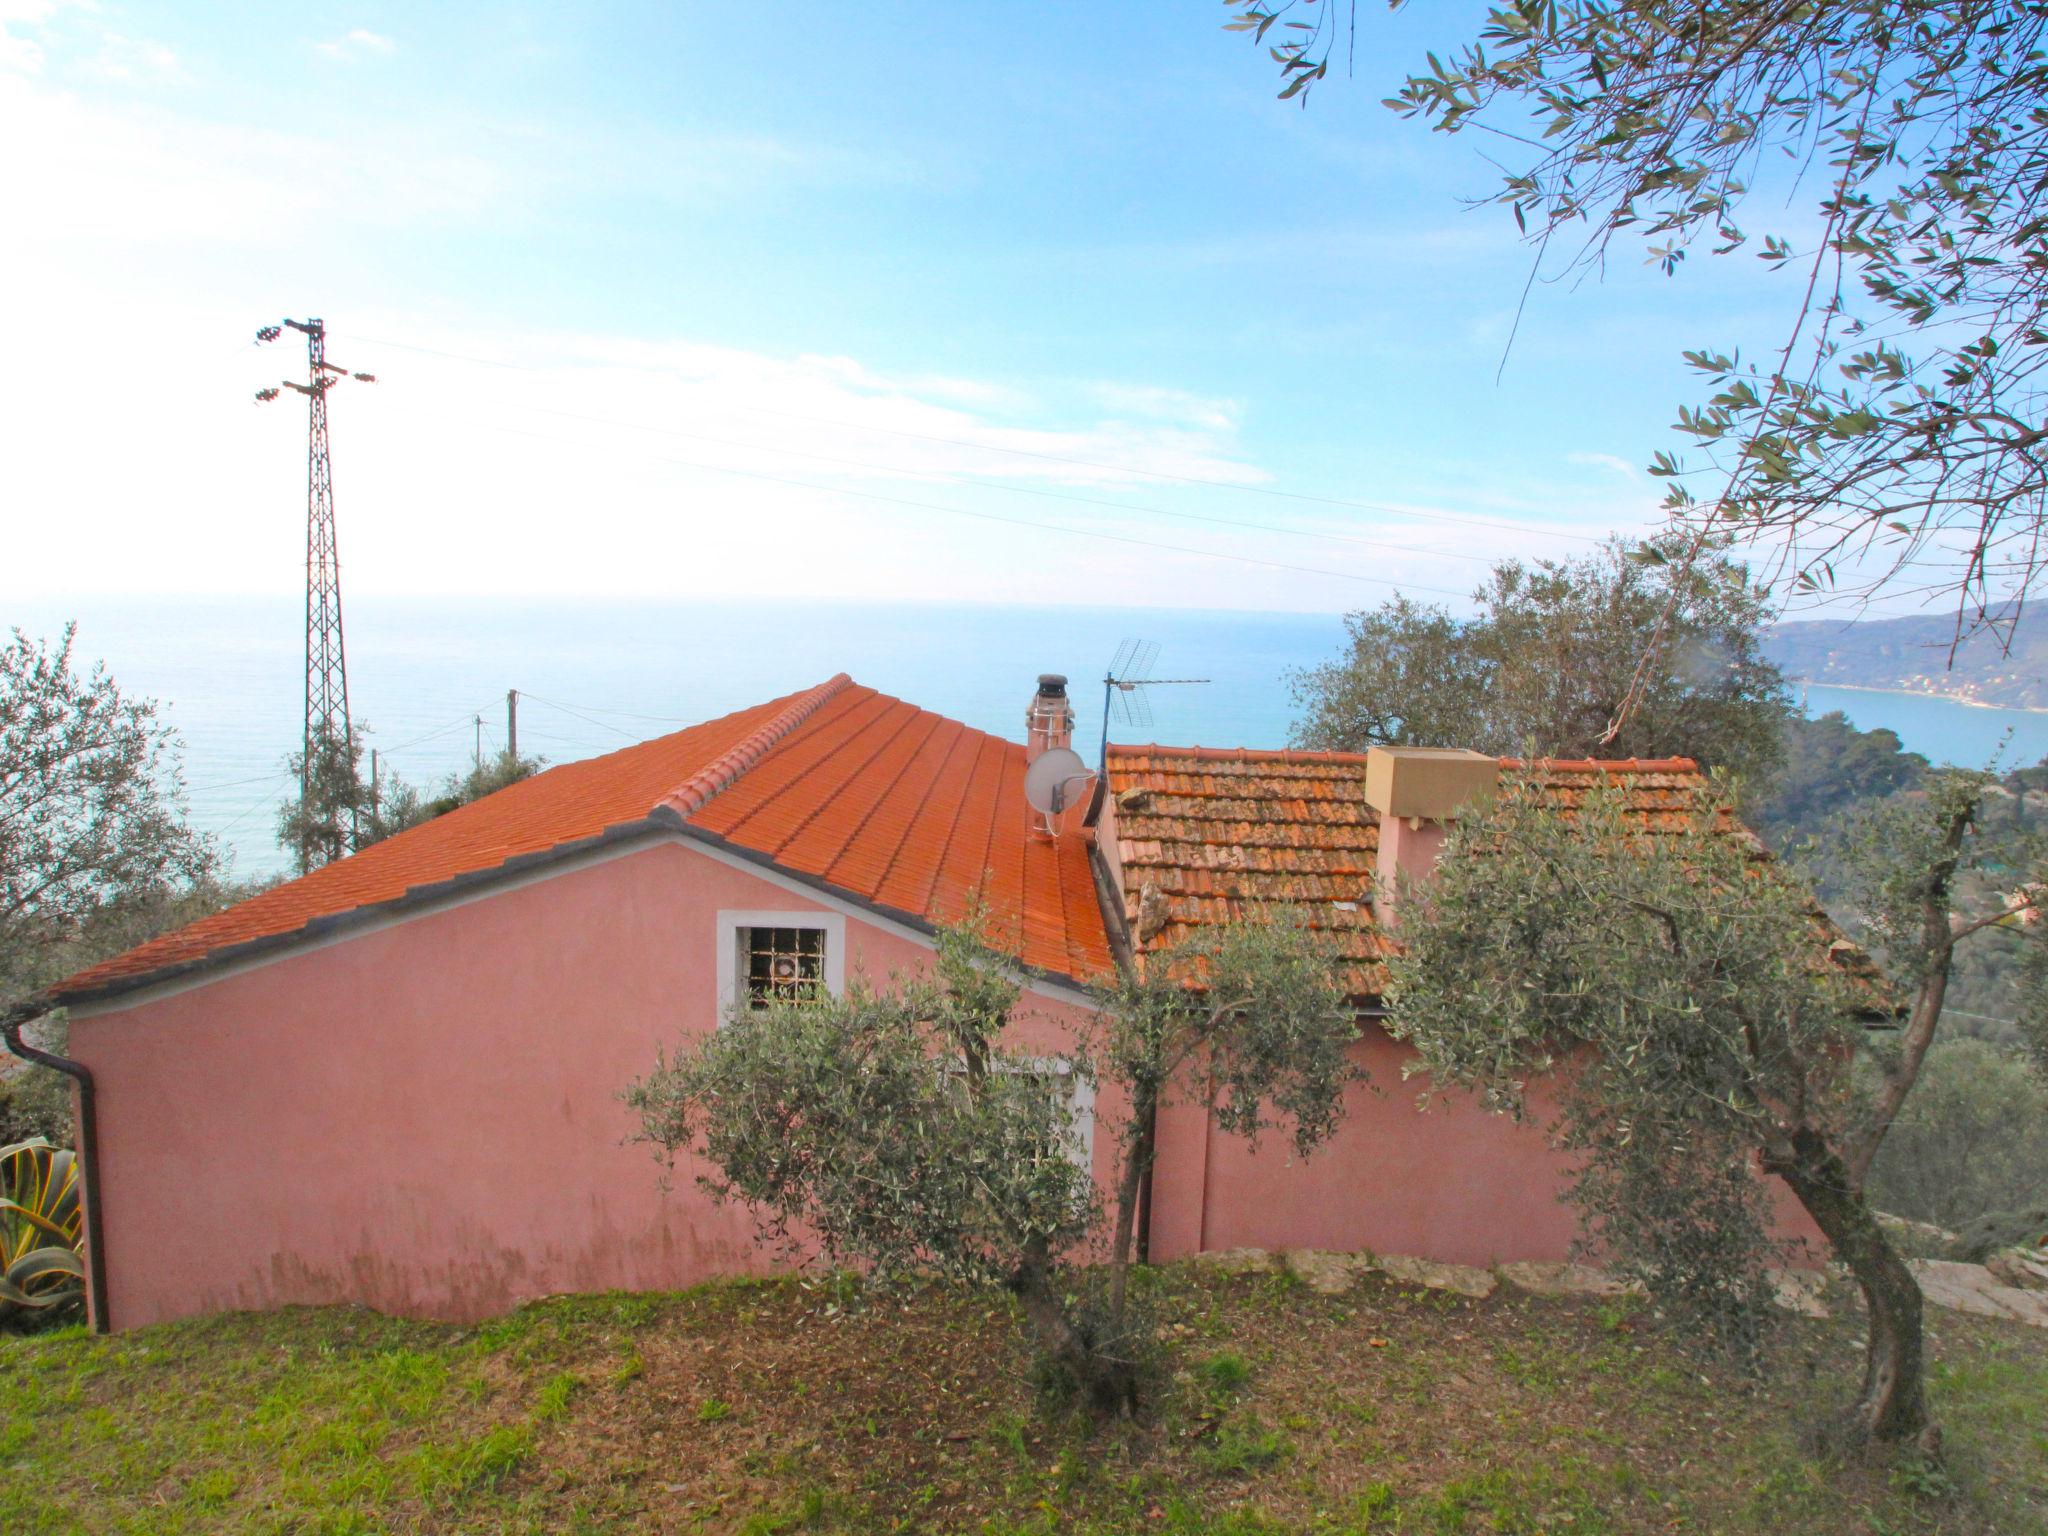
[
  {"x": 512, "y": 724},
  {"x": 479, "y": 743},
  {"x": 329, "y": 733}
]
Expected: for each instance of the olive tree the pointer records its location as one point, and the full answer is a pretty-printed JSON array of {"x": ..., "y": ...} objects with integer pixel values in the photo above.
[
  {"x": 1920, "y": 880},
  {"x": 333, "y": 808},
  {"x": 1247, "y": 1019},
  {"x": 1548, "y": 659},
  {"x": 1681, "y": 991},
  {"x": 1972, "y": 1140},
  {"x": 93, "y": 840},
  {"x": 1889, "y": 436},
  {"x": 901, "y": 1130}
]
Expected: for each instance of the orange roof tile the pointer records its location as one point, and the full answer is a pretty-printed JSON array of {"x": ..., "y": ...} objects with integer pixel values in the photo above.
[
  {"x": 1228, "y": 833},
  {"x": 862, "y": 793}
]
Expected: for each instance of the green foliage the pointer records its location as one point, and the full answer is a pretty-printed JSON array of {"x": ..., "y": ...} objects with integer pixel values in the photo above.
[
  {"x": 327, "y": 817},
  {"x": 1669, "y": 986},
  {"x": 1236, "y": 1449},
  {"x": 1972, "y": 1139},
  {"x": 713, "y": 1409},
  {"x": 1828, "y": 767},
  {"x": 339, "y": 811},
  {"x": 898, "y": 1131},
  {"x": 1943, "y": 881},
  {"x": 1901, "y": 410},
  {"x": 41, "y": 1229},
  {"x": 399, "y": 806},
  {"x": 35, "y": 1101},
  {"x": 893, "y": 1128},
  {"x": 94, "y": 850},
  {"x": 333, "y": 1419},
  {"x": 1225, "y": 1374},
  {"x": 1548, "y": 660},
  {"x": 1248, "y": 1017}
]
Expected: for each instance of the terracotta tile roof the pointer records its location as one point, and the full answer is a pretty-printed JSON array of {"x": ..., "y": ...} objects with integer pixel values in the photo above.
[
  {"x": 1222, "y": 834},
  {"x": 868, "y": 795}
]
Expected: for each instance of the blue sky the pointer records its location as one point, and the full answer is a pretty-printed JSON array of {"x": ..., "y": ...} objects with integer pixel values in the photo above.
[{"x": 667, "y": 300}]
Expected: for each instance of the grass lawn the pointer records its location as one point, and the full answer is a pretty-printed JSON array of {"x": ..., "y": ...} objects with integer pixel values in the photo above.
[{"x": 764, "y": 1408}]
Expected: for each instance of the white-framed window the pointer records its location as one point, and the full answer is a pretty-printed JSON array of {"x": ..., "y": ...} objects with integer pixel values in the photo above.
[
  {"x": 764, "y": 956},
  {"x": 1073, "y": 1089}
]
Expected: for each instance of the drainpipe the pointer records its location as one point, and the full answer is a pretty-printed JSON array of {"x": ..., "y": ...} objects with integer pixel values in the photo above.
[{"x": 88, "y": 1149}]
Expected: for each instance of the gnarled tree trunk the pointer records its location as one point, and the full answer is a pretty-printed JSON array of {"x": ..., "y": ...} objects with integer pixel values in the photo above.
[
  {"x": 1137, "y": 1163},
  {"x": 1893, "y": 1403},
  {"x": 1110, "y": 1386}
]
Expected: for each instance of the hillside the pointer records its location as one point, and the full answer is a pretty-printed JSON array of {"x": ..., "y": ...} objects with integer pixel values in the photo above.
[
  {"x": 775, "y": 1407},
  {"x": 1912, "y": 655}
]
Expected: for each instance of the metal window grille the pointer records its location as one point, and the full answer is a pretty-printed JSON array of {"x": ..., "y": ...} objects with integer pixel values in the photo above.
[{"x": 783, "y": 965}]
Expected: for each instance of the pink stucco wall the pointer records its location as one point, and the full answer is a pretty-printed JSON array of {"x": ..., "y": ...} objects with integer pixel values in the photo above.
[
  {"x": 1453, "y": 1183},
  {"x": 424, "y": 1118}
]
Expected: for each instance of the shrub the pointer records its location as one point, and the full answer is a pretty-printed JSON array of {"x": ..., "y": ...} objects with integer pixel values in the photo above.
[
  {"x": 41, "y": 1223},
  {"x": 1972, "y": 1140}
]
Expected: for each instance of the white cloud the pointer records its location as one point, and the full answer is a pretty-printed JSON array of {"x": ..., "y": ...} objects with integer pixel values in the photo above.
[
  {"x": 148, "y": 177},
  {"x": 128, "y": 59},
  {"x": 594, "y": 463},
  {"x": 20, "y": 52},
  {"x": 28, "y": 35},
  {"x": 356, "y": 43},
  {"x": 1172, "y": 405},
  {"x": 1612, "y": 463}
]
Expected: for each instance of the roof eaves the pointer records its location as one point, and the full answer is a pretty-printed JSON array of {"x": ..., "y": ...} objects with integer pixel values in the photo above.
[
  {"x": 693, "y": 793},
  {"x": 328, "y": 924}
]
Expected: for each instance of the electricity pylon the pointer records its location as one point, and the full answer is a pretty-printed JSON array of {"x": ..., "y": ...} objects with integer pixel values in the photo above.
[{"x": 328, "y": 728}]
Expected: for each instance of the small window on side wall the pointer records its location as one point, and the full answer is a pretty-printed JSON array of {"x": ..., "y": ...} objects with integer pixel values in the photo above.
[
  {"x": 781, "y": 965},
  {"x": 769, "y": 957}
]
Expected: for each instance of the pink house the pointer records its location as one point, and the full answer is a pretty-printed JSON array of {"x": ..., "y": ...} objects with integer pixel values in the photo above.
[{"x": 395, "y": 1081}]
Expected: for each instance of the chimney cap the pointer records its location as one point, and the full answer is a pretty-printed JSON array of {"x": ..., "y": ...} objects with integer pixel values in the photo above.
[
  {"x": 1053, "y": 684},
  {"x": 1433, "y": 783}
]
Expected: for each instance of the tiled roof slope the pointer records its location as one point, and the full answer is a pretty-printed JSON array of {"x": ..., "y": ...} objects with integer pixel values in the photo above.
[
  {"x": 873, "y": 797},
  {"x": 1223, "y": 834}
]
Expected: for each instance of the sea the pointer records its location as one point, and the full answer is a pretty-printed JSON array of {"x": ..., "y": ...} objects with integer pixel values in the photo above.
[{"x": 430, "y": 677}]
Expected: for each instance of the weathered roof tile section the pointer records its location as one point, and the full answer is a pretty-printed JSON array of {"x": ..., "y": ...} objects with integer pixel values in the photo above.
[
  {"x": 870, "y": 796},
  {"x": 1223, "y": 834}
]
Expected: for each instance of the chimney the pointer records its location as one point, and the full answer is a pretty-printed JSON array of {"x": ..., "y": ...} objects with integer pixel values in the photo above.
[
  {"x": 1417, "y": 791},
  {"x": 1049, "y": 722}
]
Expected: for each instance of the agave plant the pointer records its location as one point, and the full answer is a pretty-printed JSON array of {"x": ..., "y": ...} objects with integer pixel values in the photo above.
[{"x": 40, "y": 1225}]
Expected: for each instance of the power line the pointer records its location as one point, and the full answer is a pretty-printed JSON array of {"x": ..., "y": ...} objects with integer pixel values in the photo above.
[
  {"x": 586, "y": 719},
  {"x": 255, "y": 778},
  {"x": 629, "y": 714},
  {"x": 455, "y": 725}
]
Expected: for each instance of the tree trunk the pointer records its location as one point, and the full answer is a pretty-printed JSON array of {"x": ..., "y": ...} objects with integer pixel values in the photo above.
[
  {"x": 1893, "y": 1403},
  {"x": 1938, "y": 936},
  {"x": 1145, "y": 1112},
  {"x": 1110, "y": 1386}
]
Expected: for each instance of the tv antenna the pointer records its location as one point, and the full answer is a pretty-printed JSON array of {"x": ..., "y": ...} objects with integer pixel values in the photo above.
[{"x": 1124, "y": 685}]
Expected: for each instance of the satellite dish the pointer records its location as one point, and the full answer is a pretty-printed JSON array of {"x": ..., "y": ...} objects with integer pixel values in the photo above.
[{"x": 1049, "y": 781}]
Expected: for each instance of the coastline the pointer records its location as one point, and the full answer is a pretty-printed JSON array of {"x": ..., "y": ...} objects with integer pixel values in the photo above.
[{"x": 1920, "y": 693}]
